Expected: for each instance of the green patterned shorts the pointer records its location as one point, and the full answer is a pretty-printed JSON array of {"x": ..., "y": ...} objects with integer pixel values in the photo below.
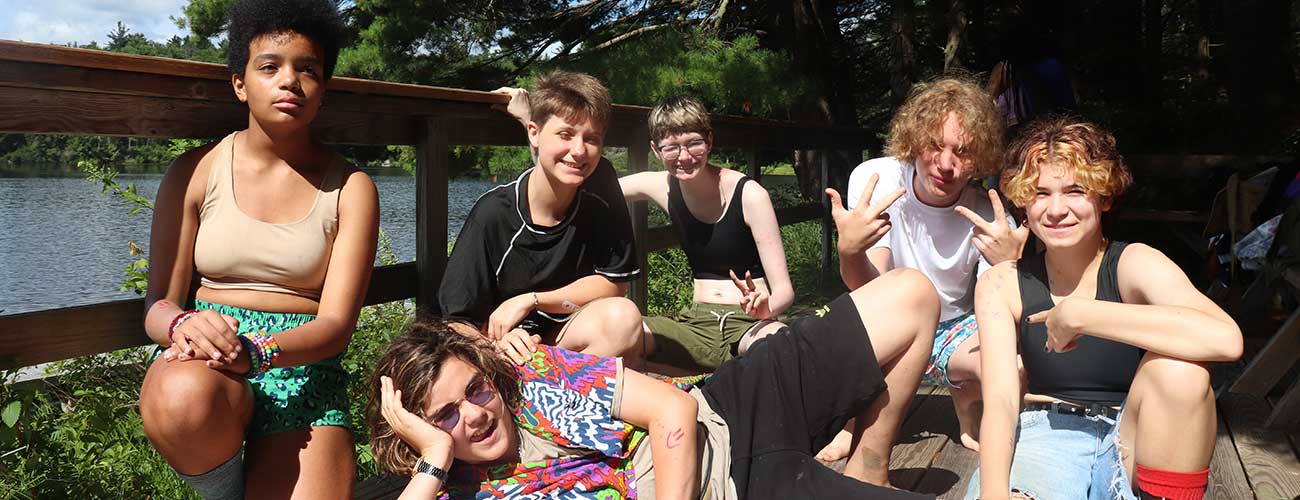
[{"x": 297, "y": 397}]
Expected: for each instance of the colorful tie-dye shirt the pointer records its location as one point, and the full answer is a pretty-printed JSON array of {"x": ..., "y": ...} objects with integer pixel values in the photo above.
[{"x": 568, "y": 399}]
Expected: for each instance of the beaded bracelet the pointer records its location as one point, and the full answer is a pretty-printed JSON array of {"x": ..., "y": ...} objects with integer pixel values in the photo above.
[
  {"x": 263, "y": 352},
  {"x": 177, "y": 321}
]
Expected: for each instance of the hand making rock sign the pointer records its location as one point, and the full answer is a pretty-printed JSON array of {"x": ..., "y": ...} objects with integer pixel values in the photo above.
[
  {"x": 996, "y": 240},
  {"x": 865, "y": 224}
]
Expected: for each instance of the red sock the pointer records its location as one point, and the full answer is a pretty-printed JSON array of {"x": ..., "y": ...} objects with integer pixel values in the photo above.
[{"x": 1172, "y": 485}]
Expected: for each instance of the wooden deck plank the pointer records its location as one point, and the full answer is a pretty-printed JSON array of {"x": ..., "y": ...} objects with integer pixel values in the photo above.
[
  {"x": 1228, "y": 479},
  {"x": 923, "y": 435},
  {"x": 951, "y": 472},
  {"x": 1269, "y": 462}
]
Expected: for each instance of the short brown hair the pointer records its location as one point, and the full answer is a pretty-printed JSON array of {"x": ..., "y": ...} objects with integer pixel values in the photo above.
[
  {"x": 572, "y": 96},
  {"x": 679, "y": 115},
  {"x": 413, "y": 361},
  {"x": 918, "y": 124},
  {"x": 1077, "y": 146}
]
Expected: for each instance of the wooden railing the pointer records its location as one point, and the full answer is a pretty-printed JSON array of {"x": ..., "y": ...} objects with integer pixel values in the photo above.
[{"x": 59, "y": 90}]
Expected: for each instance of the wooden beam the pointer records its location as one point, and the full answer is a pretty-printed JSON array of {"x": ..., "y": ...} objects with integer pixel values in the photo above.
[
  {"x": 638, "y": 152},
  {"x": 1276, "y": 358},
  {"x": 431, "y": 213},
  {"x": 751, "y": 158},
  {"x": 40, "y": 337}
]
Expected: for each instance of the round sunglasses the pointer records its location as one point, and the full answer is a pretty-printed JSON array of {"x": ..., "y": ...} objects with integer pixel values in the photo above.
[{"x": 479, "y": 392}]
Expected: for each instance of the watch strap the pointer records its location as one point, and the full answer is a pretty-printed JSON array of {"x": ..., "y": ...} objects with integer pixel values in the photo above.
[{"x": 422, "y": 467}]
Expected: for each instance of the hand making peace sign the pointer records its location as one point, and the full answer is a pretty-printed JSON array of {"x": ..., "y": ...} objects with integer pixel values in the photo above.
[
  {"x": 753, "y": 300},
  {"x": 866, "y": 223},
  {"x": 995, "y": 239}
]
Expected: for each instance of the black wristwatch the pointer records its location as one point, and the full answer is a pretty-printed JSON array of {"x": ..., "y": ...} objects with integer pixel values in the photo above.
[{"x": 422, "y": 467}]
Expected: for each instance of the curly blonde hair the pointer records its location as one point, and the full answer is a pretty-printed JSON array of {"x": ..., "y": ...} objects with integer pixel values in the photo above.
[
  {"x": 414, "y": 361},
  {"x": 1073, "y": 145},
  {"x": 918, "y": 124}
]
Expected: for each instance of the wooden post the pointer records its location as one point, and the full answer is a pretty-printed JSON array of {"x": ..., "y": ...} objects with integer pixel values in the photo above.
[
  {"x": 755, "y": 170},
  {"x": 637, "y": 161},
  {"x": 430, "y": 213},
  {"x": 827, "y": 223}
]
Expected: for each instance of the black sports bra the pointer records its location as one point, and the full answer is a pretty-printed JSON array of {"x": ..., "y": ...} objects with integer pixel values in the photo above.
[{"x": 714, "y": 249}]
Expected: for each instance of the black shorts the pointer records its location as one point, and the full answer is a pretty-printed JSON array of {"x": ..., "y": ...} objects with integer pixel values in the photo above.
[{"x": 789, "y": 396}]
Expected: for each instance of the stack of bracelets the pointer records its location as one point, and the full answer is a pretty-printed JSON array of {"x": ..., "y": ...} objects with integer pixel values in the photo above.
[{"x": 263, "y": 351}]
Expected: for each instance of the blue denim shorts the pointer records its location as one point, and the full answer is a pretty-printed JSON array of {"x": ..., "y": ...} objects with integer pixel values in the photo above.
[{"x": 1066, "y": 457}]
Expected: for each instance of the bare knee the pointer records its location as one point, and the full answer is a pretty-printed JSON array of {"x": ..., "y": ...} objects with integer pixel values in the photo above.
[
  {"x": 1175, "y": 381},
  {"x": 609, "y": 327},
  {"x": 915, "y": 289},
  {"x": 188, "y": 398}
]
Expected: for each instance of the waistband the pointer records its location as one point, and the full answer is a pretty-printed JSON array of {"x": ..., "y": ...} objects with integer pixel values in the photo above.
[{"x": 1088, "y": 410}]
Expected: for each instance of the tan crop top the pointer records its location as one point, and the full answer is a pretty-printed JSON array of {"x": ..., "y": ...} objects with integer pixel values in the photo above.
[{"x": 234, "y": 251}]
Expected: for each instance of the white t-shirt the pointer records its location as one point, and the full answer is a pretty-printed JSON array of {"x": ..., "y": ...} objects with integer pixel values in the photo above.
[{"x": 933, "y": 240}]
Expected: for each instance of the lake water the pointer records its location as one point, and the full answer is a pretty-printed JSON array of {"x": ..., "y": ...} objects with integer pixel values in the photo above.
[{"x": 64, "y": 243}]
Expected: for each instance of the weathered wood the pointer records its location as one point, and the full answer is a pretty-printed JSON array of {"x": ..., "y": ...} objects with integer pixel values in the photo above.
[
  {"x": 33, "y": 338},
  {"x": 828, "y": 225},
  {"x": 923, "y": 434},
  {"x": 1286, "y": 411},
  {"x": 431, "y": 213},
  {"x": 1227, "y": 479},
  {"x": 1272, "y": 362},
  {"x": 751, "y": 159},
  {"x": 950, "y": 474},
  {"x": 1266, "y": 456},
  {"x": 663, "y": 237},
  {"x": 638, "y": 161}
]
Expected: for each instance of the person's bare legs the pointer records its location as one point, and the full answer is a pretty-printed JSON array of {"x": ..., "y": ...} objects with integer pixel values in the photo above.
[
  {"x": 301, "y": 464},
  {"x": 757, "y": 332},
  {"x": 967, "y": 402},
  {"x": 900, "y": 310},
  {"x": 1169, "y": 421},
  {"x": 608, "y": 327}
]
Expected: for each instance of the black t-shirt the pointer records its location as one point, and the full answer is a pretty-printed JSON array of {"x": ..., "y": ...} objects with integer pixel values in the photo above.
[{"x": 500, "y": 253}]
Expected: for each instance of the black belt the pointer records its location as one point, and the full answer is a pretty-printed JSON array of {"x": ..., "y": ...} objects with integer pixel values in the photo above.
[{"x": 1088, "y": 410}]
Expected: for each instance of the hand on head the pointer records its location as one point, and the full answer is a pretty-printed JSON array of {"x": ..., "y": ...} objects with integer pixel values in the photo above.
[
  {"x": 866, "y": 223},
  {"x": 995, "y": 239},
  {"x": 433, "y": 444}
]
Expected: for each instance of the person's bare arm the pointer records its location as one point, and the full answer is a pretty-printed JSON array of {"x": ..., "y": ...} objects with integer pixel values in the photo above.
[
  {"x": 669, "y": 415},
  {"x": 643, "y": 186},
  {"x": 208, "y": 335},
  {"x": 996, "y": 312},
  {"x": 1163, "y": 313},
  {"x": 761, "y": 219},
  {"x": 563, "y": 300}
]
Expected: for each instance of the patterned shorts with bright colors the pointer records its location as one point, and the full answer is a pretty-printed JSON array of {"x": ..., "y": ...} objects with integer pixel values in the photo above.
[
  {"x": 297, "y": 397},
  {"x": 947, "y": 336}
]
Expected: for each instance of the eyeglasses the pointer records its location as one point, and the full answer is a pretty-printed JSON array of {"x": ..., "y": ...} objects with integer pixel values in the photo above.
[
  {"x": 479, "y": 392},
  {"x": 696, "y": 147}
]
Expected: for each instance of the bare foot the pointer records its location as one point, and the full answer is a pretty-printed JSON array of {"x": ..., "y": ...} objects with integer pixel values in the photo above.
[
  {"x": 838, "y": 449},
  {"x": 969, "y": 408}
]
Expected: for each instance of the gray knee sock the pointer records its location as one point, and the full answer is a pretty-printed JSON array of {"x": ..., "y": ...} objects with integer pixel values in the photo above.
[{"x": 226, "y": 482}]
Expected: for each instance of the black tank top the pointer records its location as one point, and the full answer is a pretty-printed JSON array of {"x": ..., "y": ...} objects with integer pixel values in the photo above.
[
  {"x": 715, "y": 249},
  {"x": 1098, "y": 371}
]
